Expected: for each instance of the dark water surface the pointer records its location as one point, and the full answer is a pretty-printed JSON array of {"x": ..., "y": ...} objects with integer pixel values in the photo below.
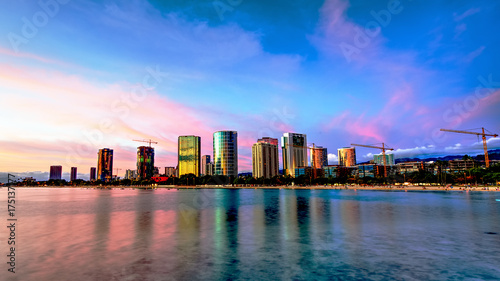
[{"x": 84, "y": 234}]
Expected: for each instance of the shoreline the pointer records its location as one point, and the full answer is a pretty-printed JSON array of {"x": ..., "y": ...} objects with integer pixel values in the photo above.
[{"x": 312, "y": 187}]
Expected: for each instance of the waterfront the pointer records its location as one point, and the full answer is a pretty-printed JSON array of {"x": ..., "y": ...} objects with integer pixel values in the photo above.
[{"x": 214, "y": 234}]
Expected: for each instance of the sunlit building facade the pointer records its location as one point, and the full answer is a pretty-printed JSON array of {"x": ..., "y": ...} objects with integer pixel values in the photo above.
[
  {"x": 265, "y": 160},
  {"x": 319, "y": 157},
  {"x": 294, "y": 147},
  {"x": 105, "y": 164},
  {"x": 55, "y": 172},
  {"x": 268, "y": 140},
  {"x": 347, "y": 156},
  {"x": 226, "y": 153},
  {"x": 205, "y": 159},
  {"x": 145, "y": 162},
  {"x": 189, "y": 150}
]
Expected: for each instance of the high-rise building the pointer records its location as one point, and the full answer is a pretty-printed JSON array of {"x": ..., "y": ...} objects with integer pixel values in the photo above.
[
  {"x": 347, "y": 156},
  {"x": 379, "y": 159},
  {"x": 226, "y": 153},
  {"x": 105, "y": 164},
  {"x": 130, "y": 174},
  {"x": 265, "y": 161},
  {"x": 205, "y": 159},
  {"x": 73, "y": 174},
  {"x": 189, "y": 153},
  {"x": 92, "y": 173},
  {"x": 55, "y": 172},
  {"x": 170, "y": 171},
  {"x": 145, "y": 162},
  {"x": 294, "y": 148},
  {"x": 268, "y": 140},
  {"x": 209, "y": 169},
  {"x": 319, "y": 157}
]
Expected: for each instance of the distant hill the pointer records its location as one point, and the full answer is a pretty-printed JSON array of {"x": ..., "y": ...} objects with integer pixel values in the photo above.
[{"x": 493, "y": 154}]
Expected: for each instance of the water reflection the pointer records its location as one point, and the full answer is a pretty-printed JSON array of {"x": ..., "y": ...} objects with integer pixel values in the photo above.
[{"x": 256, "y": 234}]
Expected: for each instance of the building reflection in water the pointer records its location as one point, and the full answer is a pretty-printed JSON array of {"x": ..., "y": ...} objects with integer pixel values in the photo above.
[{"x": 101, "y": 230}]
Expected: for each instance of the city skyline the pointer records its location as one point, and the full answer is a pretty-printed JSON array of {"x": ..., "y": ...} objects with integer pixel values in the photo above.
[
  {"x": 313, "y": 156},
  {"x": 163, "y": 70}
]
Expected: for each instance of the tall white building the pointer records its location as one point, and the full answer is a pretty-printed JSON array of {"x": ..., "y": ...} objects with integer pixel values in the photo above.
[{"x": 294, "y": 147}]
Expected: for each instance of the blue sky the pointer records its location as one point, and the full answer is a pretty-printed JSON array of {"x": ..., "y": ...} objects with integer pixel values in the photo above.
[{"x": 76, "y": 76}]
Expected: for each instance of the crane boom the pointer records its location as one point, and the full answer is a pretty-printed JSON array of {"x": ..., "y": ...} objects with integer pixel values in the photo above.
[
  {"x": 483, "y": 134},
  {"x": 371, "y": 146},
  {"x": 147, "y": 141},
  {"x": 383, "y": 153},
  {"x": 471, "y": 133}
]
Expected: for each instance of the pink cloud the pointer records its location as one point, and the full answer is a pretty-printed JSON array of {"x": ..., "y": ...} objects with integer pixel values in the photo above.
[{"x": 66, "y": 113}]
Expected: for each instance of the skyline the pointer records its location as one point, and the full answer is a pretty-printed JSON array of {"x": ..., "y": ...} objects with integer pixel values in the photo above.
[{"x": 102, "y": 74}]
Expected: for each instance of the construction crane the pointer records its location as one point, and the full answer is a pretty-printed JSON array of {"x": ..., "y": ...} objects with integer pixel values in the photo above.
[
  {"x": 117, "y": 169},
  {"x": 384, "y": 148},
  {"x": 483, "y": 134},
  {"x": 147, "y": 141}
]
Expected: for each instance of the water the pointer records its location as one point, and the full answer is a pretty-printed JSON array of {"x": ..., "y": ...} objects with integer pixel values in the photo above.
[{"x": 84, "y": 234}]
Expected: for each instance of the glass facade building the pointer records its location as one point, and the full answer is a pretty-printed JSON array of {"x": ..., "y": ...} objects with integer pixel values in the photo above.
[
  {"x": 226, "y": 153},
  {"x": 294, "y": 148},
  {"x": 379, "y": 159},
  {"x": 347, "y": 156},
  {"x": 145, "y": 162},
  {"x": 105, "y": 164},
  {"x": 189, "y": 150},
  {"x": 330, "y": 171}
]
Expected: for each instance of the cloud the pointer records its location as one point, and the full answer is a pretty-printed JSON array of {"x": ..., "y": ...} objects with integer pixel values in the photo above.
[
  {"x": 474, "y": 54},
  {"x": 414, "y": 152},
  {"x": 459, "y": 29},
  {"x": 338, "y": 36},
  {"x": 81, "y": 116},
  {"x": 333, "y": 159},
  {"x": 468, "y": 13}
]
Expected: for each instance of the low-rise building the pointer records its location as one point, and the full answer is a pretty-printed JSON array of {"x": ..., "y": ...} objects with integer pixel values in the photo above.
[
  {"x": 410, "y": 167},
  {"x": 461, "y": 165}
]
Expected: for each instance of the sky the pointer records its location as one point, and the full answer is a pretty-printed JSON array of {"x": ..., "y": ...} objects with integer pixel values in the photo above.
[{"x": 77, "y": 76}]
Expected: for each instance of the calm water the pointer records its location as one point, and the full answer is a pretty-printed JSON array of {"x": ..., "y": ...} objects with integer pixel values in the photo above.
[{"x": 82, "y": 234}]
